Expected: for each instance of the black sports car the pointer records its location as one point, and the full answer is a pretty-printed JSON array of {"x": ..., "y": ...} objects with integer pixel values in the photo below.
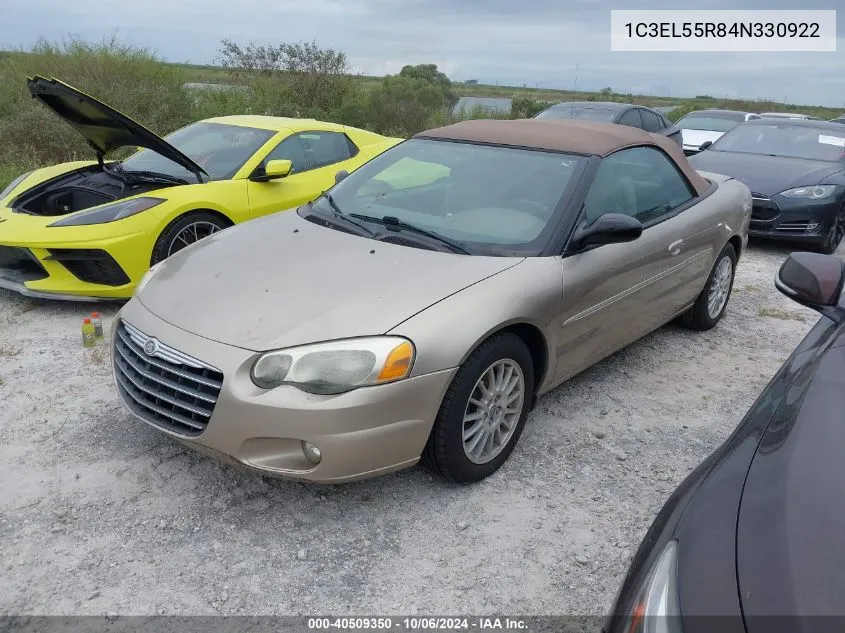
[
  {"x": 611, "y": 112},
  {"x": 796, "y": 172},
  {"x": 752, "y": 541}
]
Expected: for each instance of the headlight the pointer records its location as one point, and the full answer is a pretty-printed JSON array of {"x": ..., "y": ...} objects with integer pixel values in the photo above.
[
  {"x": 656, "y": 608},
  {"x": 815, "y": 192},
  {"x": 336, "y": 366},
  {"x": 13, "y": 184},
  {"x": 147, "y": 276},
  {"x": 110, "y": 212}
]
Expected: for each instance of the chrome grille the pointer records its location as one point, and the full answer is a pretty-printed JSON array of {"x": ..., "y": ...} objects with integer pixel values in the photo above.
[{"x": 163, "y": 385}]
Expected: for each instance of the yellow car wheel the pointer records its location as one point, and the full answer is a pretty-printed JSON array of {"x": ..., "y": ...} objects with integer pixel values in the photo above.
[{"x": 185, "y": 230}]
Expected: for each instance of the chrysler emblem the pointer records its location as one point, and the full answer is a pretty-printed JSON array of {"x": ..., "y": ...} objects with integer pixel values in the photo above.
[{"x": 151, "y": 347}]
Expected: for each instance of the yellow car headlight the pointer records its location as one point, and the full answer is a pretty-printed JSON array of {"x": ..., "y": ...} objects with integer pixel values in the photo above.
[
  {"x": 110, "y": 212},
  {"x": 336, "y": 366}
]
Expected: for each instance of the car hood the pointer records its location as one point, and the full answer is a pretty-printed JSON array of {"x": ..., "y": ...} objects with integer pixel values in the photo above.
[
  {"x": 104, "y": 128},
  {"x": 694, "y": 138},
  {"x": 766, "y": 175},
  {"x": 282, "y": 280},
  {"x": 790, "y": 550}
]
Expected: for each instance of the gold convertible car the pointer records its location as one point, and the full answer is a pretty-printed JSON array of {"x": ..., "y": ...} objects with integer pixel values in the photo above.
[
  {"x": 91, "y": 229},
  {"x": 420, "y": 307}
]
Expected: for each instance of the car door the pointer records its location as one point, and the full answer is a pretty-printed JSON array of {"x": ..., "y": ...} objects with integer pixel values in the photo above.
[
  {"x": 316, "y": 157},
  {"x": 617, "y": 293}
]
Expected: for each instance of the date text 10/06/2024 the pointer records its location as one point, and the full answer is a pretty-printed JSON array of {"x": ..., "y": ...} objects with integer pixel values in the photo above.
[{"x": 418, "y": 624}]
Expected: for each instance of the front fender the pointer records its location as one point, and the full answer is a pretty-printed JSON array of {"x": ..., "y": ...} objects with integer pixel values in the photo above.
[{"x": 446, "y": 332}]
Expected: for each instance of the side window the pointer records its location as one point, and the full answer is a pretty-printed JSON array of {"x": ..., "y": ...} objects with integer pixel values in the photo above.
[
  {"x": 632, "y": 118},
  {"x": 290, "y": 149},
  {"x": 325, "y": 148},
  {"x": 651, "y": 121},
  {"x": 641, "y": 182}
]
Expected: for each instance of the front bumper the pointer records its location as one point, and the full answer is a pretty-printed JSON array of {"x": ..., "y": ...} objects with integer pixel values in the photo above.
[
  {"x": 360, "y": 434},
  {"x": 778, "y": 218},
  {"x": 84, "y": 263}
]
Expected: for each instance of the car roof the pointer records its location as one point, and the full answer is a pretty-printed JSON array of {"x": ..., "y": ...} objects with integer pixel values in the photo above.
[
  {"x": 597, "y": 105},
  {"x": 810, "y": 123},
  {"x": 719, "y": 111},
  {"x": 275, "y": 123},
  {"x": 563, "y": 135}
]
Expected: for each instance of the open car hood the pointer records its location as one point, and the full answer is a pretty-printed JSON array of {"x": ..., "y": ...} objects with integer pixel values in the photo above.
[{"x": 104, "y": 128}]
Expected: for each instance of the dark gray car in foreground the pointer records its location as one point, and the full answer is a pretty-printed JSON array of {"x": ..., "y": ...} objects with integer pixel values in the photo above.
[{"x": 753, "y": 541}]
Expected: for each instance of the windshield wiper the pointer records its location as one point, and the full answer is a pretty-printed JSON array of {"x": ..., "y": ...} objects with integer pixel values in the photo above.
[
  {"x": 337, "y": 214},
  {"x": 395, "y": 224}
]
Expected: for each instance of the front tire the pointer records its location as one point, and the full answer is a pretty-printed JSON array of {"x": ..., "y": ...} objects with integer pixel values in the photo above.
[
  {"x": 483, "y": 412},
  {"x": 184, "y": 231},
  {"x": 834, "y": 236},
  {"x": 711, "y": 303}
]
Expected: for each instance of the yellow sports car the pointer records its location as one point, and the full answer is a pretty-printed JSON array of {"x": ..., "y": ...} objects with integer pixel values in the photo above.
[{"x": 91, "y": 229}]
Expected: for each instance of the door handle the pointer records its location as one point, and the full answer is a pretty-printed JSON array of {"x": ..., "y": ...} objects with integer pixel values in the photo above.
[{"x": 675, "y": 247}]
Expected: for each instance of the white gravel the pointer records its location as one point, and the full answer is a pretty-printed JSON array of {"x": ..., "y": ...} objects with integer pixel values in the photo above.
[{"x": 101, "y": 514}]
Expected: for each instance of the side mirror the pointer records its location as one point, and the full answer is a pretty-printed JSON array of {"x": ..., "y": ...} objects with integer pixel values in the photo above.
[
  {"x": 278, "y": 168},
  {"x": 610, "y": 228},
  {"x": 705, "y": 145},
  {"x": 814, "y": 280},
  {"x": 340, "y": 175},
  {"x": 273, "y": 170}
]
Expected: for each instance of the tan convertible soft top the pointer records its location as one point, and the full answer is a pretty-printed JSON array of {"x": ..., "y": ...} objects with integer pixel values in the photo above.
[{"x": 581, "y": 137}]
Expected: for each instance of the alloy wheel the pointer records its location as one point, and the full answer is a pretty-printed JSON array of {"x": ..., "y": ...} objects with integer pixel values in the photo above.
[
  {"x": 836, "y": 233},
  {"x": 193, "y": 232},
  {"x": 720, "y": 287},
  {"x": 493, "y": 411}
]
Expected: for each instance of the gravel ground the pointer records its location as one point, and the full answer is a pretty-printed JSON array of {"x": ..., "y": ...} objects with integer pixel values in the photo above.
[{"x": 101, "y": 514}]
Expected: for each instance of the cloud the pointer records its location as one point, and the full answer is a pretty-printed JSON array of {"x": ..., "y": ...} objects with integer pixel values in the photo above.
[{"x": 532, "y": 42}]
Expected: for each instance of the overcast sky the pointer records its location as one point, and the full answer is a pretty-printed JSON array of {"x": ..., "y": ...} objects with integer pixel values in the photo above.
[{"x": 515, "y": 42}]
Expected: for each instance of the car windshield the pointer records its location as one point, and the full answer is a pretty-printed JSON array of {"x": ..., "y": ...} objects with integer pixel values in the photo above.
[
  {"x": 784, "y": 139},
  {"x": 218, "y": 148},
  {"x": 711, "y": 122},
  {"x": 493, "y": 200},
  {"x": 577, "y": 112}
]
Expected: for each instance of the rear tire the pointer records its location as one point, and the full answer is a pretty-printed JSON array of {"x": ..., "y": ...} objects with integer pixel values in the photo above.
[
  {"x": 712, "y": 302},
  {"x": 483, "y": 412},
  {"x": 184, "y": 231}
]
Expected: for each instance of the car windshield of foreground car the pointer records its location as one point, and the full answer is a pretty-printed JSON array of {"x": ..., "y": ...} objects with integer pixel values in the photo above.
[
  {"x": 490, "y": 200},
  {"x": 218, "y": 148},
  {"x": 784, "y": 139},
  {"x": 577, "y": 112},
  {"x": 711, "y": 122}
]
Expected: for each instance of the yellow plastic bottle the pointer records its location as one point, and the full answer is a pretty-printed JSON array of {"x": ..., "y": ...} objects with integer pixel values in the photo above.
[{"x": 88, "y": 338}]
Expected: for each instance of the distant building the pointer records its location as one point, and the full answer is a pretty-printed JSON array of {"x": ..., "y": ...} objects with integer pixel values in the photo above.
[{"x": 471, "y": 82}]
